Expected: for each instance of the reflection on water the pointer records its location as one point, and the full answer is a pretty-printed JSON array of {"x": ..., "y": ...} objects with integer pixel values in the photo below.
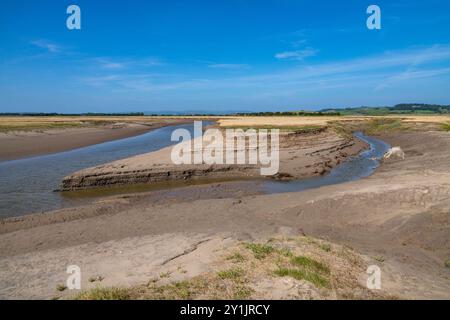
[
  {"x": 26, "y": 185},
  {"x": 354, "y": 168}
]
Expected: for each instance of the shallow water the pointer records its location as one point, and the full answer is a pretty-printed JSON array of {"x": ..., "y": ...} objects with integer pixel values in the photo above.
[
  {"x": 26, "y": 186},
  {"x": 356, "y": 167}
]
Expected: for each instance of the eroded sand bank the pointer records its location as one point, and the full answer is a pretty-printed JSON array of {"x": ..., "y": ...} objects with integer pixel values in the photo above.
[{"x": 302, "y": 154}]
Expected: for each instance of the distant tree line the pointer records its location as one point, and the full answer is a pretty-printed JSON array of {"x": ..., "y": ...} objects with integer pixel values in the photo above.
[
  {"x": 414, "y": 107},
  {"x": 404, "y": 108},
  {"x": 290, "y": 113},
  {"x": 90, "y": 114}
]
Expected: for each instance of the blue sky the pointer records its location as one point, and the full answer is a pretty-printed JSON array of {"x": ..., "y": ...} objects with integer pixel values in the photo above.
[{"x": 216, "y": 56}]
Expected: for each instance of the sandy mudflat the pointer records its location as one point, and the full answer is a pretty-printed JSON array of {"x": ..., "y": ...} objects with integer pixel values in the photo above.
[
  {"x": 397, "y": 219},
  {"x": 22, "y": 144}
]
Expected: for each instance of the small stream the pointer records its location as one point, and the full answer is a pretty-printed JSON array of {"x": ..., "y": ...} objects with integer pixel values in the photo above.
[
  {"x": 356, "y": 167},
  {"x": 27, "y": 185}
]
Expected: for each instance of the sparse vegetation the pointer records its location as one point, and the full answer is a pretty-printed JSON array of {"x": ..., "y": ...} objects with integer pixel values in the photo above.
[
  {"x": 305, "y": 268},
  {"x": 309, "y": 263},
  {"x": 290, "y": 113},
  {"x": 325, "y": 247},
  {"x": 231, "y": 274},
  {"x": 383, "y": 125},
  {"x": 95, "y": 278},
  {"x": 446, "y": 126},
  {"x": 404, "y": 108},
  {"x": 8, "y": 127},
  {"x": 236, "y": 257},
  {"x": 61, "y": 287},
  {"x": 105, "y": 294},
  {"x": 341, "y": 129},
  {"x": 259, "y": 250},
  {"x": 300, "y": 274},
  {"x": 164, "y": 275},
  {"x": 243, "y": 268},
  {"x": 285, "y": 252},
  {"x": 447, "y": 263},
  {"x": 284, "y": 128}
]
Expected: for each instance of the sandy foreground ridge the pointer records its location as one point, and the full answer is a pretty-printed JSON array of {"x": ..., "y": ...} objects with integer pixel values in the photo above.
[{"x": 227, "y": 240}]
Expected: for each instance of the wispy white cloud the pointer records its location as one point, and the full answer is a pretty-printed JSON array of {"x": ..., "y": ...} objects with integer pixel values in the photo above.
[
  {"x": 297, "y": 54},
  {"x": 123, "y": 63},
  {"x": 298, "y": 42},
  {"x": 47, "y": 45},
  {"x": 101, "y": 80},
  {"x": 229, "y": 66},
  {"x": 110, "y": 64},
  {"x": 371, "y": 72},
  {"x": 152, "y": 62}
]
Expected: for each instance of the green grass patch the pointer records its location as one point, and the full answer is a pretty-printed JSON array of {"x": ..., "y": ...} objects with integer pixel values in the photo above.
[
  {"x": 178, "y": 290},
  {"x": 383, "y": 125},
  {"x": 305, "y": 268},
  {"x": 242, "y": 292},
  {"x": 309, "y": 263},
  {"x": 260, "y": 250},
  {"x": 446, "y": 126},
  {"x": 231, "y": 274},
  {"x": 105, "y": 294},
  {"x": 300, "y": 274},
  {"x": 325, "y": 247},
  {"x": 285, "y": 252},
  {"x": 447, "y": 263},
  {"x": 236, "y": 257}
]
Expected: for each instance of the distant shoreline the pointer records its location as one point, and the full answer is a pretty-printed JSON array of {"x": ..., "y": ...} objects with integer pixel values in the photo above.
[{"x": 17, "y": 145}]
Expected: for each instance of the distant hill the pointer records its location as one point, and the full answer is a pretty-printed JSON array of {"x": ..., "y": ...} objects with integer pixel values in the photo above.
[{"x": 404, "y": 108}]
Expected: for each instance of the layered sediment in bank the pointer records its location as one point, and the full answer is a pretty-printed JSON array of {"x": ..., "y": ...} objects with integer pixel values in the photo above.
[{"x": 301, "y": 155}]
